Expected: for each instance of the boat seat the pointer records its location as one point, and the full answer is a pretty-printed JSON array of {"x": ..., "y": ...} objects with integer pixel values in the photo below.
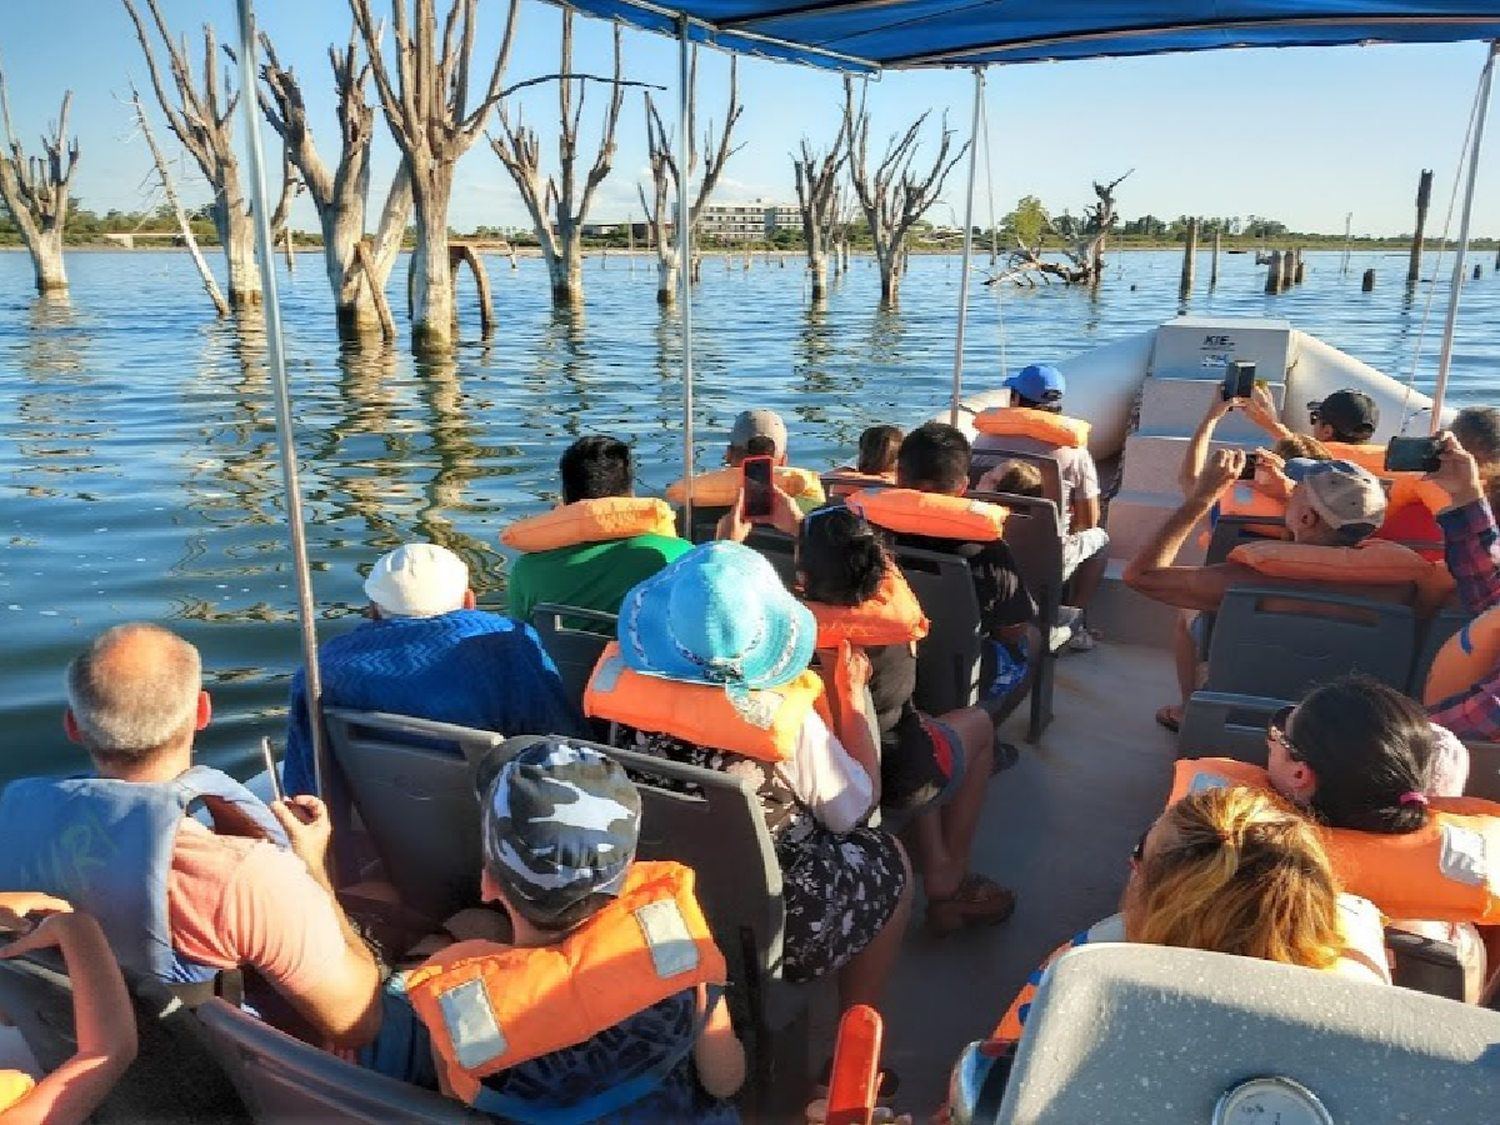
[
  {"x": 1424, "y": 964},
  {"x": 705, "y": 523},
  {"x": 1034, "y": 532},
  {"x": 176, "y": 1076},
  {"x": 1218, "y": 724},
  {"x": 713, "y": 823},
  {"x": 1283, "y": 652},
  {"x": 1117, "y": 1032},
  {"x": 1231, "y": 531},
  {"x": 575, "y": 638},
  {"x": 1484, "y": 770},
  {"x": 411, "y": 783},
  {"x": 1437, "y": 633},
  {"x": 287, "y": 1080},
  {"x": 779, "y": 549},
  {"x": 950, "y": 657},
  {"x": 985, "y": 460}
]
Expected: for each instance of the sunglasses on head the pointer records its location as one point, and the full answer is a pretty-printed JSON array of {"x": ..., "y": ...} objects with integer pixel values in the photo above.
[
  {"x": 1276, "y": 731},
  {"x": 1138, "y": 852}
]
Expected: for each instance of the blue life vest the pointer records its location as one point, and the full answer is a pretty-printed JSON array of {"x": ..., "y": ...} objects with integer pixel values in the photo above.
[{"x": 106, "y": 847}]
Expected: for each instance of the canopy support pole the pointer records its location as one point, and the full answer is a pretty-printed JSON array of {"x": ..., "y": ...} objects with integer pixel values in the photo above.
[
  {"x": 963, "y": 278},
  {"x": 1445, "y": 356},
  {"x": 276, "y": 358},
  {"x": 685, "y": 255}
]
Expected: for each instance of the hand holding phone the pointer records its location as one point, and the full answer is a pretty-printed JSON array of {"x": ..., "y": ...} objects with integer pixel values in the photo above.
[
  {"x": 1412, "y": 455},
  {"x": 756, "y": 481},
  {"x": 1252, "y": 462},
  {"x": 1239, "y": 380}
]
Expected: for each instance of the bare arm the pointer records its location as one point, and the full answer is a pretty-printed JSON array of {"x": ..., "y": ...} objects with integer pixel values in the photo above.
[
  {"x": 847, "y": 673},
  {"x": 102, "y": 1015},
  {"x": 1197, "y": 449},
  {"x": 1261, "y": 409},
  {"x": 719, "y": 1056},
  {"x": 1153, "y": 571}
]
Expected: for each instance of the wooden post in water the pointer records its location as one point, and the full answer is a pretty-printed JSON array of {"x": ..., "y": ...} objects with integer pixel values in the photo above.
[
  {"x": 1189, "y": 258},
  {"x": 1297, "y": 276},
  {"x": 1288, "y": 269},
  {"x": 1273, "y": 273},
  {"x": 1213, "y": 271},
  {"x": 1424, "y": 196},
  {"x": 1478, "y": 271},
  {"x": 1367, "y": 283}
]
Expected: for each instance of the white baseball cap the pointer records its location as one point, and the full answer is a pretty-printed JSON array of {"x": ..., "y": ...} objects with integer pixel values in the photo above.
[{"x": 418, "y": 580}]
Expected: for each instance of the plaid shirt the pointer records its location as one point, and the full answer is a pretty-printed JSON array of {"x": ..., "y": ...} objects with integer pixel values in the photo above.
[{"x": 1471, "y": 543}]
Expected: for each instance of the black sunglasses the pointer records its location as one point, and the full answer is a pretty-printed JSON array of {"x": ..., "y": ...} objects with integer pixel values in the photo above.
[
  {"x": 1276, "y": 730},
  {"x": 1138, "y": 852}
]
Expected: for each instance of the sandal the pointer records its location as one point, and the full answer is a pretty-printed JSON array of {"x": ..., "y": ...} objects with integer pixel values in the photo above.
[
  {"x": 1006, "y": 755},
  {"x": 1166, "y": 718},
  {"x": 978, "y": 901}
]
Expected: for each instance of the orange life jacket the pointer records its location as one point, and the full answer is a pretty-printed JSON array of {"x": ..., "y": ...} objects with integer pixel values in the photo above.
[
  {"x": 892, "y": 617},
  {"x": 721, "y": 487},
  {"x": 1367, "y": 455},
  {"x": 1373, "y": 562},
  {"x": 1444, "y": 872},
  {"x": 704, "y": 714},
  {"x": 851, "y": 481},
  {"x": 1470, "y": 655},
  {"x": 910, "y": 512},
  {"x": 1024, "y": 421},
  {"x": 14, "y": 1085},
  {"x": 591, "y": 521},
  {"x": 491, "y": 1007},
  {"x": 1243, "y": 500}
]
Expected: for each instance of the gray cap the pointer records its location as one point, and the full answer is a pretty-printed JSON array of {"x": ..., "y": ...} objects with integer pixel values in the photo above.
[{"x": 758, "y": 423}]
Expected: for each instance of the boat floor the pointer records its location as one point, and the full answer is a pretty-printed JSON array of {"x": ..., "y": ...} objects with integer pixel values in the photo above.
[{"x": 1058, "y": 829}]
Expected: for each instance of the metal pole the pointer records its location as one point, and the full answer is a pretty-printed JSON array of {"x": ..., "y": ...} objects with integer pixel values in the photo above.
[
  {"x": 1445, "y": 356},
  {"x": 276, "y": 354},
  {"x": 963, "y": 280},
  {"x": 685, "y": 256}
]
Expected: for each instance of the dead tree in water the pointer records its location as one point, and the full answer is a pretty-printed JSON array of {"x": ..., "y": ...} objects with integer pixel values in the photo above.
[
  {"x": 426, "y": 106},
  {"x": 558, "y": 209},
  {"x": 202, "y": 119},
  {"x": 35, "y": 191},
  {"x": 341, "y": 196},
  {"x": 666, "y": 177},
  {"x": 818, "y": 196},
  {"x": 1084, "y": 243},
  {"x": 895, "y": 196}
]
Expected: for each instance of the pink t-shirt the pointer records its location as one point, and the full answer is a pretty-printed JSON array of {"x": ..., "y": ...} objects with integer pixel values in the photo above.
[{"x": 233, "y": 901}]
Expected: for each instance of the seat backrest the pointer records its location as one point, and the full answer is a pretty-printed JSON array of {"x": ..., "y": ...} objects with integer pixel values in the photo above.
[
  {"x": 574, "y": 638},
  {"x": 1117, "y": 1032},
  {"x": 1484, "y": 770},
  {"x": 1231, "y": 531},
  {"x": 949, "y": 657},
  {"x": 411, "y": 782},
  {"x": 1437, "y": 633},
  {"x": 1219, "y": 724},
  {"x": 288, "y": 1080},
  {"x": 705, "y": 522},
  {"x": 1425, "y": 964},
  {"x": 1280, "y": 642},
  {"x": 1034, "y": 533},
  {"x": 711, "y": 822},
  {"x": 176, "y": 1076},
  {"x": 779, "y": 549},
  {"x": 985, "y": 460}
]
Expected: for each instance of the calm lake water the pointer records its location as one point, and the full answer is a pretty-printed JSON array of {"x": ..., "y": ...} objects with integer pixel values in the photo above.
[{"x": 138, "y": 474}]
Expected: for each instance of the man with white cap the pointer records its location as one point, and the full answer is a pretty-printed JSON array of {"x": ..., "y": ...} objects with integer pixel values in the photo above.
[{"x": 429, "y": 653}]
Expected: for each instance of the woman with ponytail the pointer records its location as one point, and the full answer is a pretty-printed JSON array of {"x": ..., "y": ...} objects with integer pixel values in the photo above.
[{"x": 933, "y": 770}]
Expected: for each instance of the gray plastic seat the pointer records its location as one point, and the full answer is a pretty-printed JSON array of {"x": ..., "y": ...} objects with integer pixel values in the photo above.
[
  {"x": 717, "y": 828},
  {"x": 985, "y": 460},
  {"x": 1434, "y": 636},
  {"x": 1219, "y": 724},
  {"x": 286, "y": 1080},
  {"x": 777, "y": 548},
  {"x": 574, "y": 638},
  {"x": 176, "y": 1078},
  {"x": 950, "y": 657},
  {"x": 1034, "y": 534},
  {"x": 411, "y": 782},
  {"x": 1283, "y": 652},
  {"x": 1231, "y": 531},
  {"x": 1484, "y": 770},
  {"x": 1119, "y": 1032}
]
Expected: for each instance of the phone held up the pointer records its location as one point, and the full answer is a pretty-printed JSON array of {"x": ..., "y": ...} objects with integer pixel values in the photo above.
[
  {"x": 1239, "y": 380},
  {"x": 756, "y": 477},
  {"x": 1252, "y": 461},
  {"x": 1412, "y": 455},
  {"x": 269, "y": 757}
]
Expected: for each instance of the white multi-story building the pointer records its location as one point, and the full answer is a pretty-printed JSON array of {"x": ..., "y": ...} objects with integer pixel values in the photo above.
[{"x": 756, "y": 221}]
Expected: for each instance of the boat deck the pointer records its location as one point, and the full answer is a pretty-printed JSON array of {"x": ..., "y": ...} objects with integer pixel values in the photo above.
[{"x": 1058, "y": 828}]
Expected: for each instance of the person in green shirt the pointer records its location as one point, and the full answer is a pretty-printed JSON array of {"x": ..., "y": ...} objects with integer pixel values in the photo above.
[{"x": 591, "y": 575}]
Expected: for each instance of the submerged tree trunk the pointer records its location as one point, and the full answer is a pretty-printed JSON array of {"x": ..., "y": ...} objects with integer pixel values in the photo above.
[
  {"x": 237, "y": 236},
  {"x": 35, "y": 193},
  {"x": 433, "y": 311},
  {"x": 666, "y": 279},
  {"x": 817, "y": 268}
]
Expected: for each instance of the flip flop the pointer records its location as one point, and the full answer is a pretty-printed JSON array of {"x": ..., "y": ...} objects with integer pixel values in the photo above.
[
  {"x": 977, "y": 901},
  {"x": 1006, "y": 755},
  {"x": 1165, "y": 718}
]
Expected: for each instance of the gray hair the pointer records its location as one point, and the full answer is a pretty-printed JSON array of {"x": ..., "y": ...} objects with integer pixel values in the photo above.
[
  {"x": 1477, "y": 429},
  {"x": 133, "y": 691}
]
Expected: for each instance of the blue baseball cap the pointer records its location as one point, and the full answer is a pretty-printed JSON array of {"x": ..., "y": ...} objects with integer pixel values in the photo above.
[{"x": 1038, "y": 382}]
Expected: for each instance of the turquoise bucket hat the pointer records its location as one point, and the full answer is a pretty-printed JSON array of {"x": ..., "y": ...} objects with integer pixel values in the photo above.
[{"x": 717, "y": 615}]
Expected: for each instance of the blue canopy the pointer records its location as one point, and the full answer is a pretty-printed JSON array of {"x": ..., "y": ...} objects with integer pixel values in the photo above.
[{"x": 865, "y": 35}]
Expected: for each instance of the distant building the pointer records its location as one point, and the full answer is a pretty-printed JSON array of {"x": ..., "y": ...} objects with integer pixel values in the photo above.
[{"x": 756, "y": 221}]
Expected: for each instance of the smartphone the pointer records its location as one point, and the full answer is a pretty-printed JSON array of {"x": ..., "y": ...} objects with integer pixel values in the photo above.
[
  {"x": 1412, "y": 455},
  {"x": 1239, "y": 379},
  {"x": 269, "y": 757},
  {"x": 757, "y": 484},
  {"x": 1252, "y": 462}
]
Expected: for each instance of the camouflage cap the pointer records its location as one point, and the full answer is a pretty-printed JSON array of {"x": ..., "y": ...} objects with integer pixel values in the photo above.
[{"x": 560, "y": 823}]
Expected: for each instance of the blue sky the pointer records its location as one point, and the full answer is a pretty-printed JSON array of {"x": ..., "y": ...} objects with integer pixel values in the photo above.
[{"x": 1303, "y": 136}]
